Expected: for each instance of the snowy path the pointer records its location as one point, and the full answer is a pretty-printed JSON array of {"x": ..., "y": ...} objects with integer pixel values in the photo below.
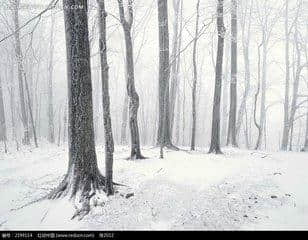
[{"x": 239, "y": 190}]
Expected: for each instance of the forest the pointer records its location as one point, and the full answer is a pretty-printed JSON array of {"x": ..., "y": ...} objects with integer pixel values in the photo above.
[{"x": 154, "y": 114}]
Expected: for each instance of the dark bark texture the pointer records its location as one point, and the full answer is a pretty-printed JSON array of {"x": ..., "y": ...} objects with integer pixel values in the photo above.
[
  {"x": 130, "y": 80},
  {"x": 163, "y": 134},
  {"x": 215, "y": 138},
  {"x": 83, "y": 179},
  {"x": 231, "y": 140},
  {"x": 19, "y": 57},
  {"x": 109, "y": 144}
]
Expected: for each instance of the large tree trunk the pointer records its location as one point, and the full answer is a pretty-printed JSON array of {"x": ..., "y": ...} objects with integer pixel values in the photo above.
[
  {"x": 83, "y": 179},
  {"x": 163, "y": 133},
  {"x": 131, "y": 90},
  {"x": 286, "y": 127},
  {"x": 109, "y": 145},
  {"x": 19, "y": 57},
  {"x": 3, "y": 136},
  {"x": 215, "y": 138},
  {"x": 194, "y": 87},
  {"x": 233, "y": 84}
]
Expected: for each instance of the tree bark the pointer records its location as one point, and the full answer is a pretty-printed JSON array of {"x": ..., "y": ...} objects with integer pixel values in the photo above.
[
  {"x": 19, "y": 57},
  {"x": 194, "y": 87},
  {"x": 83, "y": 179},
  {"x": 231, "y": 140},
  {"x": 175, "y": 58},
  {"x": 256, "y": 100},
  {"x": 306, "y": 135},
  {"x": 51, "y": 135},
  {"x": 215, "y": 138},
  {"x": 163, "y": 134},
  {"x": 246, "y": 44},
  {"x": 286, "y": 127},
  {"x": 3, "y": 135},
  {"x": 131, "y": 90},
  {"x": 296, "y": 83},
  {"x": 109, "y": 144},
  {"x": 124, "y": 121}
]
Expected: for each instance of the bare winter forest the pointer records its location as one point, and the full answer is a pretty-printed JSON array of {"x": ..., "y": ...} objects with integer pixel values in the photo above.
[{"x": 153, "y": 114}]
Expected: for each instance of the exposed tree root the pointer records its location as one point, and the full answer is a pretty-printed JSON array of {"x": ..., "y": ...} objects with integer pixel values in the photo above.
[{"x": 84, "y": 191}]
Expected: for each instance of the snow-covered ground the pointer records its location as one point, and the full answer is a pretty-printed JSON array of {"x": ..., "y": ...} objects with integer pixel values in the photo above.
[{"x": 186, "y": 190}]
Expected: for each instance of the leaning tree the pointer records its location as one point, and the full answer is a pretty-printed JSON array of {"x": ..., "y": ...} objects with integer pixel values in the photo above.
[{"x": 130, "y": 79}]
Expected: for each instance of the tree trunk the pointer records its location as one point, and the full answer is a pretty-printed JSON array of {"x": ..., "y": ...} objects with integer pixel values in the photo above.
[
  {"x": 131, "y": 90},
  {"x": 83, "y": 179},
  {"x": 256, "y": 101},
  {"x": 225, "y": 96},
  {"x": 65, "y": 130},
  {"x": 109, "y": 144},
  {"x": 263, "y": 89},
  {"x": 233, "y": 84},
  {"x": 175, "y": 61},
  {"x": 3, "y": 135},
  {"x": 59, "y": 127},
  {"x": 246, "y": 44},
  {"x": 19, "y": 57},
  {"x": 286, "y": 127},
  {"x": 12, "y": 104},
  {"x": 215, "y": 138},
  {"x": 163, "y": 134},
  {"x": 51, "y": 135},
  {"x": 306, "y": 135},
  {"x": 124, "y": 120},
  {"x": 30, "y": 110},
  {"x": 296, "y": 82},
  {"x": 194, "y": 88}
]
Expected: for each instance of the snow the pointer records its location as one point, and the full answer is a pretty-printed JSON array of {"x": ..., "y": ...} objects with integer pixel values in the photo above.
[{"x": 187, "y": 190}]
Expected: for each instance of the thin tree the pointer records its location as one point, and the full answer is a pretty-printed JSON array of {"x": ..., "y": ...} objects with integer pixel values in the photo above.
[
  {"x": 245, "y": 21},
  {"x": 83, "y": 179},
  {"x": 215, "y": 138},
  {"x": 195, "y": 79},
  {"x": 231, "y": 140},
  {"x": 163, "y": 132},
  {"x": 130, "y": 80},
  {"x": 19, "y": 57},
  {"x": 175, "y": 58},
  {"x": 258, "y": 126},
  {"x": 3, "y": 136},
  {"x": 51, "y": 134},
  {"x": 305, "y": 149},
  {"x": 109, "y": 145}
]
